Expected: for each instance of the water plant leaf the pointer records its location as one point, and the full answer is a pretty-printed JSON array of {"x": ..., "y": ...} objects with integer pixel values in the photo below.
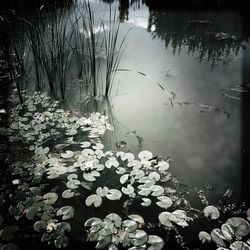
[
  {"x": 50, "y": 198},
  {"x": 102, "y": 191},
  {"x": 165, "y": 218},
  {"x": 41, "y": 151},
  {"x": 124, "y": 178},
  {"x": 155, "y": 176},
  {"x": 127, "y": 156},
  {"x": 7, "y": 233},
  {"x": 218, "y": 237},
  {"x": 228, "y": 231},
  {"x": 115, "y": 218},
  {"x": 103, "y": 242},
  {"x": 120, "y": 170},
  {"x": 239, "y": 245},
  {"x": 67, "y": 212},
  {"x": 129, "y": 225},
  {"x": 204, "y": 237},
  {"x": 94, "y": 199},
  {"x": 156, "y": 190},
  {"x": 137, "y": 218},
  {"x": 129, "y": 190},
  {"x": 67, "y": 193},
  {"x": 139, "y": 237},
  {"x": 92, "y": 222},
  {"x": 112, "y": 163},
  {"x": 146, "y": 202},
  {"x": 32, "y": 211},
  {"x": 212, "y": 212},
  {"x": 38, "y": 225},
  {"x": 68, "y": 154},
  {"x": 73, "y": 184},
  {"x": 162, "y": 166},
  {"x": 164, "y": 202},
  {"x": 85, "y": 144},
  {"x": 156, "y": 242},
  {"x": 114, "y": 194},
  {"x": 241, "y": 227},
  {"x": 145, "y": 155}
]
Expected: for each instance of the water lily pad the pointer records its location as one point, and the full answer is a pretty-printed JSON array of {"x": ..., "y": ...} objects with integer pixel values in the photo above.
[
  {"x": 112, "y": 163},
  {"x": 241, "y": 227},
  {"x": 129, "y": 225},
  {"x": 145, "y": 155},
  {"x": 146, "y": 202},
  {"x": 164, "y": 202},
  {"x": 162, "y": 166},
  {"x": 102, "y": 191},
  {"x": 137, "y": 218},
  {"x": 114, "y": 194},
  {"x": 38, "y": 225},
  {"x": 104, "y": 242},
  {"x": 94, "y": 199},
  {"x": 50, "y": 198},
  {"x": 73, "y": 184},
  {"x": 120, "y": 170},
  {"x": 204, "y": 237},
  {"x": 127, "y": 156},
  {"x": 85, "y": 144},
  {"x": 124, "y": 178},
  {"x": 165, "y": 218},
  {"x": 157, "y": 190},
  {"x": 156, "y": 242},
  {"x": 72, "y": 176},
  {"x": 239, "y": 245},
  {"x": 218, "y": 237},
  {"x": 68, "y": 154},
  {"x": 155, "y": 176},
  {"x": 92, "y": 222},
  {"x": 139, "y": 237},
  {"x": 129, "y": 190},
  {"x": 41, "y": 151},
  {"x": 67, "y": 212},
  {"x": 212, "y": 212},
  {"x": 68, "y": 193},
  {"x": 115, "y": 218}
]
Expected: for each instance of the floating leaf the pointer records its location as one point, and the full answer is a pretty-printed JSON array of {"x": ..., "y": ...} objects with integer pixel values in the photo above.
[
  {"x": 67, "y": 212},
  {"x": 241, "y": 227},
  {"x": 104, "y": 242},
  {"x": 204, "y": 237},
  {"x": 137, "y": 218},
  {"x": 130, "y": 225},
  {"x": 73, "y": 184},
  {"x": 72, "y": 176},
  {"x": 102, "y": 191},
  {"x": 67, "y": 193},
  {"x": 128, "y": 190},
  {"x": 114, "y": 194},
  {"x": 39, "y": 225},
  {"x": 212, "y": 212},
  {"x": 139, "y": 237},
  {"x": 127, "y": 156},
  {"x": 218, "y": 237},
  {"x": 157, "y": 190},
  {"x": 146, "y": 202},
  {"x": 162, "y": 166},
  {"x": 115, "y": 218},
  {"x": 164, "y": 202},
  {"x": 120, "y": 170},
  {"x": 85, "y": 144},
  {"x": 41, "y": 151},
  {"x": 112, "y": 163},
  {"x": 92, "y": 222},
  {"x": 50, "y": 198},
  {"x": 239, "y": 245},
  {"x": 156, "y": 242},
  {"x": 68, "y": 154},
  {"x": 165, "y": 218},
  {"x": 124, "y": 178},
  {"x": 155, "y": 176},
  {"x": 94, "y": 199},
  {"x": 145, "y": 155}
]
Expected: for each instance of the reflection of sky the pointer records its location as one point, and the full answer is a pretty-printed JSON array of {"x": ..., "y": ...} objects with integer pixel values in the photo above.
[{"x": 205, "y": 147}]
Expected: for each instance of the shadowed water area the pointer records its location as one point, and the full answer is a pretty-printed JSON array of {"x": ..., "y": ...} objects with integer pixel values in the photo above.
[{"x": 180, "y": 91}]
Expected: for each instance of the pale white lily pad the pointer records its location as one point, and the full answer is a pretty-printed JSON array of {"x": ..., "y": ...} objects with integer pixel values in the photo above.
[
  {"x": 114, "y": 194},
  {"x": 162, "y": 166},
  {"x": 204, "y": 237},
  {"x": 67, "y": 212},
  {"x": 155, "y": 176},
  {"x": 137, "y": 218},
  {"x": 239, "y": 245},
  {"x": 115, "y": 218},
  {"x": 212, "y": 212},
  {"x": 68, "y": 154},
  {"x": 50, "y": 198},
  {"x": 112, "y": 163},
  {"x": 73, "y": 184},
  {"x": 127, "y": 156},
  {"x": 41, "y": 151},
  {"x": 129, "y": 225},
  {"x": 68, "y": 193},
  {"x": 124, "y": 178},
  {"x": 156, "y": 190},
  {"x": 129, "y": 190},
  {"x": 146, "y": 202},
  {"x": 241, "y": 227},
  {"x": 139, "y": 237},
  {"x": 120, "y": 170},
  {"x": 156, "y": 242},
  {"x": 164, "y": 202},
  {"x": 102, "y": 191},
  {"x": 94, "y": 199},
  {"x": 85, "y": 144},
  {"x": 145, "y": 155}
]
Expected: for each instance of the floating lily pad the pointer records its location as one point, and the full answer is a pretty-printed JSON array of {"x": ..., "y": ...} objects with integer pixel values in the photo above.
[
  {"x": 50, "y": 198},
  {"x": 38, "y": 225},
  {"x": 115, "y": 218},
  {"x": 156, "y": 242},
  {"x": 145, "y": 155},
  {"x": 41, "y": 151},
  {"x": 94, "y": 199},
  {"x": 204, "y": 237},
  {"x": 146, "y": 202},
  {"x": 212, "y": 212},
  {"x": 139, "y": 237},
  {"x": 164, "y": 202},
  {"x": 114, "y": 194},
  {"x": 102, "y": 191},
  {"x": 67, "y": 212},
  {"x": 137, "y": 218},
  {"x": 68, "y": 193},
  {"x": 68, "y": 154}
]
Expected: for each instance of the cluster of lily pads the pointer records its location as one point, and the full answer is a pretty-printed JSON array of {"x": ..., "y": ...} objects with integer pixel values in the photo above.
[{"x": 66, "y": 148}]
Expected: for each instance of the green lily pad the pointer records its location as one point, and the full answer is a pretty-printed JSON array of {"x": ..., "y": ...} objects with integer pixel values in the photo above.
[{"x": 67, "y": 212}]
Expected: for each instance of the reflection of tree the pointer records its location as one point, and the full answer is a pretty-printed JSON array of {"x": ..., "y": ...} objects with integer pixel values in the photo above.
[{"x": 216, "y": 37}]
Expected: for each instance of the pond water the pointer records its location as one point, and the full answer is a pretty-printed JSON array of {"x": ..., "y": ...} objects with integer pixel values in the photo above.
[{"x": 201, "y": 132}]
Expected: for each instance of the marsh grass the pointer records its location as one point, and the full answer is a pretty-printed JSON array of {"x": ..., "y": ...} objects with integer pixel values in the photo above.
[{"x": 63, "y": 47}]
